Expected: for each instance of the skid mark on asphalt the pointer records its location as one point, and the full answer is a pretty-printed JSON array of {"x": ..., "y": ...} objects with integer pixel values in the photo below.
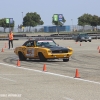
[
  {"x": 79, "y": 79},
  {"x": 11, "y": 74},
  {"x": 11, "y": 60}
]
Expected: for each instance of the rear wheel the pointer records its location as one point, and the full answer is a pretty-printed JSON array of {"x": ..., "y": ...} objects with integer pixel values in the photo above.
[
  {"x": 21, "y": 56},
  {"x": 41, "y": 57},
  {"x": 66, "y": 60}
]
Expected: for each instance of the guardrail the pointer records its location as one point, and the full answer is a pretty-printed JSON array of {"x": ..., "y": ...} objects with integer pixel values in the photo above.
[{"x": 60, "y": 36}]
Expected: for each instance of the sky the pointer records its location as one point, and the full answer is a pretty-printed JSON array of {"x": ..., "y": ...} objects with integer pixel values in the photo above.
[{"x": 71, "y": 9}]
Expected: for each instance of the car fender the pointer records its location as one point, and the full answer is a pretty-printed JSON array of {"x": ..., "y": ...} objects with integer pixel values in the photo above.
[{"x": 44, "y": 51}]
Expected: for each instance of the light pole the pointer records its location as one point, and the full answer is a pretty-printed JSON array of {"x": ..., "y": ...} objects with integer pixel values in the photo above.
[
  {"x": 22, "y": 22},
  {"x": 22, "y": 18},
  {"x": 72, "y": 24}
]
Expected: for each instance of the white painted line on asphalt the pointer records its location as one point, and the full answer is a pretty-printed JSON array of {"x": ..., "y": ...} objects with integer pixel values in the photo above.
[
  {"x": 50, "y": 73},
  {"x": 7, "y": 79},
  {"x": 67, "y": 98}
]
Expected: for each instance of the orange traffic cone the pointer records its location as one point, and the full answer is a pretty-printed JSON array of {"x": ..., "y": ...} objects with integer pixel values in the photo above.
[
  {"x": 2, "y": 50},
  {"x": 99, "y": 50},
  {"x": 44, "y": 67},
  {"x": 18, "y": 62},
  {"x": 77, "y": 74}
]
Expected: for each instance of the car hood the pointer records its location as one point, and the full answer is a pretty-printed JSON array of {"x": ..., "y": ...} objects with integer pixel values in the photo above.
[{"x": 53, "y": 48}]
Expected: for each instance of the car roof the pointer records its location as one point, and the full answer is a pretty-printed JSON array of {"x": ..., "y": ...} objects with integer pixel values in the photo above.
[{"x": 40, "y": 39}]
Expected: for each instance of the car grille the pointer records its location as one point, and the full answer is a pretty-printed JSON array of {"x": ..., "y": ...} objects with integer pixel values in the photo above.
[{"x": 60, "y": 51}]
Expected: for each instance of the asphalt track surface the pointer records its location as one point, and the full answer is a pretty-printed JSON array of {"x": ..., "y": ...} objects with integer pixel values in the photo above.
[{"x": 30, "y": 82}]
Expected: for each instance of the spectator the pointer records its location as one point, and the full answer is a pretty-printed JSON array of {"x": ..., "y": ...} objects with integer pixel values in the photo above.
[{"x": 10, "y": 39}]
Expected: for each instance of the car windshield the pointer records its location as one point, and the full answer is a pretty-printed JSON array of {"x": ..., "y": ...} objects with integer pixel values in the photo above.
[
  {"x": 46, "y": 43},
  {"x": 83, "y": 35}
]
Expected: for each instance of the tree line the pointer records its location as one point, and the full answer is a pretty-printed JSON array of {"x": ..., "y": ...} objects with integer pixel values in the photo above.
[
  {"x": 88, "y": 19},
  {"x": 33, "y": 19}
]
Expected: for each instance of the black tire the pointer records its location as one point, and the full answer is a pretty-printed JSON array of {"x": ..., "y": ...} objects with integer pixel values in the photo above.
[
  {"x": 85, "y": 41},
  {"x": 89, "y": 40},
  {"x": 21, "y": 56},
  {"x": 66, "y": 60},
  {"x": 42, "y": 58}
]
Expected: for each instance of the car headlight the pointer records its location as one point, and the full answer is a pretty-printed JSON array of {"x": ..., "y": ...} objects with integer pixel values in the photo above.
[
  {"x": 49, "y": 51},
  {"x": 70, "y": 50},
  {"x": 89, "y": 37}
]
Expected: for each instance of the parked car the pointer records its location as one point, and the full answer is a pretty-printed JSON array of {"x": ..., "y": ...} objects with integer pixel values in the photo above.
[
  {"x": 43, "y": 49},
  {"x": 83, "y": 37}
]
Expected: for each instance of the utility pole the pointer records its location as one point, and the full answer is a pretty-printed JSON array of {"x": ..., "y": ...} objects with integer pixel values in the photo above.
[
  {"x": 22, "y": 18},
  {"x": 72, "y": 24},
  {"x": 22, "y": 21}
]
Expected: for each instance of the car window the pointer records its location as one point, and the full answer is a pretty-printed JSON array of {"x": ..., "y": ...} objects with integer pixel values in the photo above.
[
  {"x": 46, "y": 43},
  {"x": 83, "y": 35},
  {"x": 29, "y": 44}
]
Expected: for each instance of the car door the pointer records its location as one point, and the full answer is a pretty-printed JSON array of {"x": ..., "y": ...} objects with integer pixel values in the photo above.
[{"x": 29, "y": 51}]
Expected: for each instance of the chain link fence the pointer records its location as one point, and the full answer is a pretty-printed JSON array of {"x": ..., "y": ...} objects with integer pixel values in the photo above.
[
  {"x": 73, "y": 28},
  {"x": 23, "y": 29},
  {"x": 86, "y": 28}
]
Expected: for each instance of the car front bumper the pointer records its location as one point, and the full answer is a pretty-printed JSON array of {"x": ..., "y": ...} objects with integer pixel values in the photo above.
[
  {"x": 85, "y": 39},
  {"x": 57, "y": 56}
]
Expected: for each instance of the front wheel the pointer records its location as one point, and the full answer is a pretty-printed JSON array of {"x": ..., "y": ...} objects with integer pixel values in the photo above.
[
  {"x": 66, "y": 60},
  {"x": 89, "y": 40},
  {"x": 80, "y": 40},
  {"x": 41, "y": 57},
  {"x": 21, "y": 57}
]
